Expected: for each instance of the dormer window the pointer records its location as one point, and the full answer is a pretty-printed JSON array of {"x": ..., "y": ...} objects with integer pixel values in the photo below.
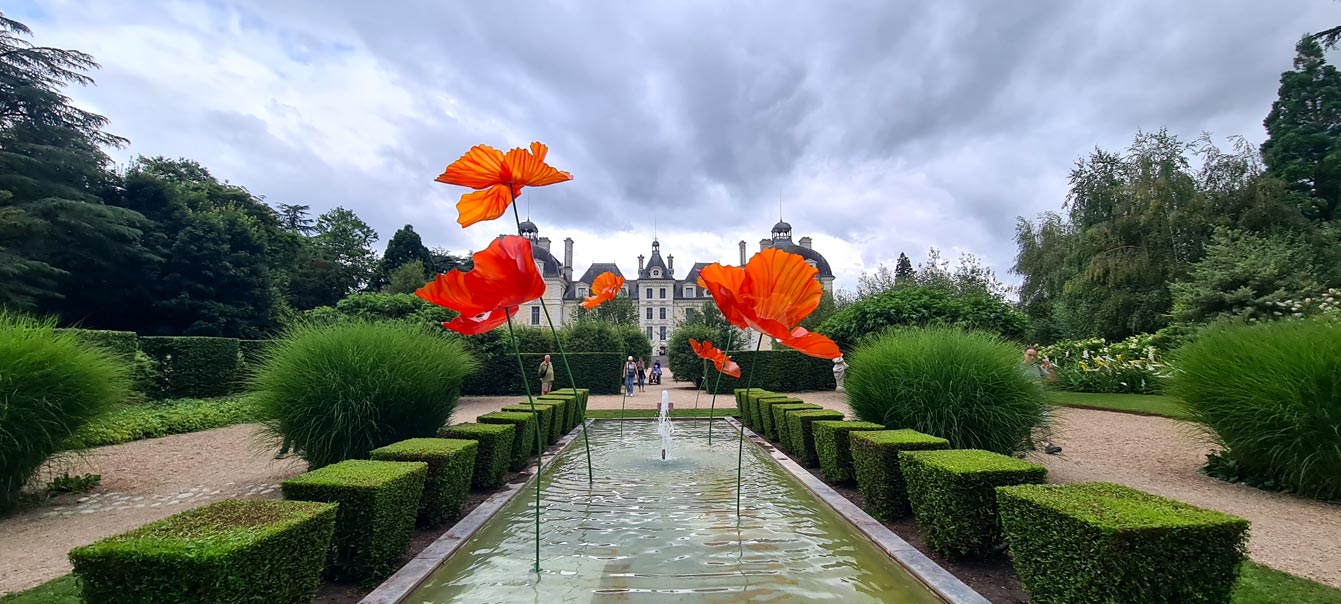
[
  {"x": 582, "y": 292},
  {"x": 689, "y": 291},
  {"x": 656, "y": 272}
]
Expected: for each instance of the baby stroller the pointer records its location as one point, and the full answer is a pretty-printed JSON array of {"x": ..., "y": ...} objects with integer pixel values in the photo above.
[{"x": 656, "y": 373}]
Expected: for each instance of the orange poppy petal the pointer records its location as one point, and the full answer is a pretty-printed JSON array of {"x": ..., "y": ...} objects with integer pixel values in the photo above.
[
  {"x": 528, "y": 168},
  {"x": 479, "y": 168},
  {"x": 729, "y": 367},
  {"x": 724, "y": 283},
  {"x": 781, "y": 289},
  {"x": 603, "y": 289},
  {"x": 505, "y": 275},
  {"x": 811, "y": 344},
  {"x": 483, "y": 205},
  {"x": 481, "y": 323}
]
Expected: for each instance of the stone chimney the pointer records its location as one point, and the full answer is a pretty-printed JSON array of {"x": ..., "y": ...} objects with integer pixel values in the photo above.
[
  {"x": 568, "y": 259},
  {"x": 640, "y": 264},
  {"x": 543, "y": 242},
  {"x": 742, "y": 252},
  {"x": 804, "y": 242},
  {"x": 670, "y": 264},
  {"x": 764, "y": 243}
]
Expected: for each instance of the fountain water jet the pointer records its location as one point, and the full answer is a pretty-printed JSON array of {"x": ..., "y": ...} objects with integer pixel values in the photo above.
[{"x": 664, "y": 427}]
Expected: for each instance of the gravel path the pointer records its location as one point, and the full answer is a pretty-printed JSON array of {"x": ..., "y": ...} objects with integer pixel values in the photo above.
[
  {"x": 1162, "y": 456},
  {"x": 141, "y": 482}
]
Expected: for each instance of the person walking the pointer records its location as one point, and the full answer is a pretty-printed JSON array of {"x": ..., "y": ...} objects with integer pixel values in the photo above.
[
  {"x": 546, "y": 376},
  {"x": 630, "y": 373},
  {"x": 642, "y": 375},
  {"x": 1041, "y": 370}
]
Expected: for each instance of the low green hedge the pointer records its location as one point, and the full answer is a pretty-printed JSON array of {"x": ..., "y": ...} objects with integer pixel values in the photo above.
[
  {"x": 497, "y": 376},
  {"x": 1101, "y": 542},
  {"x": 582, "y": 394},
  {"x": 780, "y": 411},
  {"x": 226, "y": 552},
  {"x": 780, "y": 370},
  {"x": 546, "y": 419},
  {"x": 379, "y": 501},
  {"x": 743, "y": 399},
  {"x": 763, "y": 408},
  {"x": 495, "y": 453},
  {"x": 800, "y": 429},
  {"x": 757, "y": 409},
  {"x": 194, "y": 366},
  {"x": 569, "y": 403},
  {"x": 953, "y": 496},
  {"x": 123, "y": 344},
  {"x": 163, "y": 418},
  {"x": 451, "y": 465},
  {"x": 523, "y": 442},
  {"x": 556, "y": 425},
  {"x": 875, "y": 465},
  {"x": 833, "y": 447}
]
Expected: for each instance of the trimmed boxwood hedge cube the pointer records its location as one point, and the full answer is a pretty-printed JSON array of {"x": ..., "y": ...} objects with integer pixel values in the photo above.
[
  {"x": 763, "y": 411},
  {"x": 546, "y": 413},
  {"x": 582, "y": 394},
  {"x": 556, "y": 430},
  {"x": 833, "y": 448},
  {"x": 230, "y": 551},
  {"x": 523, "y": 440},
  {"x": 451, "y": 465},
  {"x": 780, "y": 411},
  {"x": 801, "y": 430},
  {"x": 569, "y": 403},
  {"x": 495, "y": 454},
  {"x": 1103, "y": 542},
  {"x": 743, "y": 399},
  {"x": 379, "y": 501},
  {"x": 953, "y": 496},
  {"x": 875, "y": 465}
]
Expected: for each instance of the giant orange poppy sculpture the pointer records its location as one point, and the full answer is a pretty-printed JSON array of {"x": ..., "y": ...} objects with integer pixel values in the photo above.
[
  {"x": 604, "y": 288},
  {"x": 498, "y": 178},
  {"x": 505, "y": 276},
  {"x": 708, "y": 352}
]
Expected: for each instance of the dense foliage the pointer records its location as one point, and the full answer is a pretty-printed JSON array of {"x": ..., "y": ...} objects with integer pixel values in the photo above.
[
  {"x": 914, "y": 306},
  {"x": 1270, "y": 394},
  {"x": 966, "y": 387},
  {"x": 337, "y": 392},
  {"x": 230, "y": 551},
  {"x": 163, "y": 418},
  {"x": 779, "y": 370},
  {"x": 1100, "y": 542},
  {"x": 953, "y": 495},
  {"x": 51, "y": 385}
]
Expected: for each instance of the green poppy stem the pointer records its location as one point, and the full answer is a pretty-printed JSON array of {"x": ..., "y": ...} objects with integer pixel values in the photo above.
[
  {"x": 539, "y": 447},
  {"x": 582, "y": 414},
  {"x": 702, "y": 383},
  {"x": 727, "y": 351},
  {"x": 740, "y": 448}
]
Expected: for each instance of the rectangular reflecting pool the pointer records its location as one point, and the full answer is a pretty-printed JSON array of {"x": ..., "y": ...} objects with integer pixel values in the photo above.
[{"x": 651, "y": 531}]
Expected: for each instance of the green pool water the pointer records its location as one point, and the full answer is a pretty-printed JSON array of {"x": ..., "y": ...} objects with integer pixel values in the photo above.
[{"x": 658, "y": 531}]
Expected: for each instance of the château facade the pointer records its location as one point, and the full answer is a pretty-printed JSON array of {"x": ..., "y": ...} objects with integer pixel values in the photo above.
[{"x": 662, "y": 297}]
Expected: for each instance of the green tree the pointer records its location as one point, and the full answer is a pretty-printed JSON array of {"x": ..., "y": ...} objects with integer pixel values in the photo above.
[
  {"x": 343, "y": 238},
  {"x": 620, "y": 311},
  {"x": 1244, "y": 275},
  {"x": 404, "y": 247},
  {"x": 903, "y": 271},
  {"x": 1303, "y": 145},
  {"x": 294, "y": 218},
  {"x": 54, "y": 228},
  {"x": 443, "y": 261},
  {"x": 406, "y": 279},
  {"x": 710, "y": 317}
]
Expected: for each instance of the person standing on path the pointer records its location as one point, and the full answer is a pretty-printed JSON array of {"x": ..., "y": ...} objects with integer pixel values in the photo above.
[
  {"x": 642, "y": 375},
  {"x": 546, "y": 376},
  {"x": 630, "y": 372},
  {"x": 1041, "y": 370}
]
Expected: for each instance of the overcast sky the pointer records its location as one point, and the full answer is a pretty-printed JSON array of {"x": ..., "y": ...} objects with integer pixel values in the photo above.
[{"x": 881, "y": 126}]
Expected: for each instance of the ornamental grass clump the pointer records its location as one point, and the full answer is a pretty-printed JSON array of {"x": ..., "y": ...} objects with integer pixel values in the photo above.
[
  {"x": 1270, "y": 395},
  {"x": 339, "y": 391},
  {"x": 964, "y": 386},
  {"x": 50, "y": 386}
]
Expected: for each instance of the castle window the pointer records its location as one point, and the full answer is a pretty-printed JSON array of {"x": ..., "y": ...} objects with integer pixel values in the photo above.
[
  {"x": 535, "y": 315},
  {"x": 663, "y": 312},
  {"x": 649, "y": 333},
  {"x": 581, "y": 292},
  {"x": 649, "y": 293},
  {"x": 663, "y": 333},
  {"x": 656, "y": 272},
  {"x": 663, "y": 293},
  {"x": 649, "y": 313},
  {"x": 689, "y": 291}
]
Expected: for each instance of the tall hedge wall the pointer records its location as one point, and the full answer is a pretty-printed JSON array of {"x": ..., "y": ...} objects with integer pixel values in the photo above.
[
  {"x": 194, "y": 366},
  {"x": 779, "y": 371},
  {"x": 123, "y": 344},
  {"x": 497, "y": 375}
]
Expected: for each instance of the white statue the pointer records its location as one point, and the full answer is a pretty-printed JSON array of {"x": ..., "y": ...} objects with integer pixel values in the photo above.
[{"x": 839, "y": 370}]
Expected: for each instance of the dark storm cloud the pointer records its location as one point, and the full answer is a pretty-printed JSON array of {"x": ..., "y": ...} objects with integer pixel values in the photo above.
[{"x": 890, "y": 125}]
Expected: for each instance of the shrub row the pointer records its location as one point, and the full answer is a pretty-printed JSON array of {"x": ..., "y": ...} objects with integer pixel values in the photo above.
[
  {"x": 953, "y": 496},
  {"x": 782, "y": 370},
  {"x": 162, "y": 418},
  {"x": 494, "y": 455},
  {"x": 875, "y": 465},
  {"x": 194, "y": 366},
  {"x": 123, "y": 344},
  {"x": 498, "y": 374},
  {"x": 451, "y": 466}
]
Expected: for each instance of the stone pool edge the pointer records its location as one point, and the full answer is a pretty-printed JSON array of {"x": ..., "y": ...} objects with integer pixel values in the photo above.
[
  {"x": 399, "y": 585},
  {"x": 924, "y": 569}
]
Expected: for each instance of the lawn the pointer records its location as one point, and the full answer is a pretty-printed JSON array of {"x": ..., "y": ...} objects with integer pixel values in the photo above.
[{"x": 1141, "y": 404}]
